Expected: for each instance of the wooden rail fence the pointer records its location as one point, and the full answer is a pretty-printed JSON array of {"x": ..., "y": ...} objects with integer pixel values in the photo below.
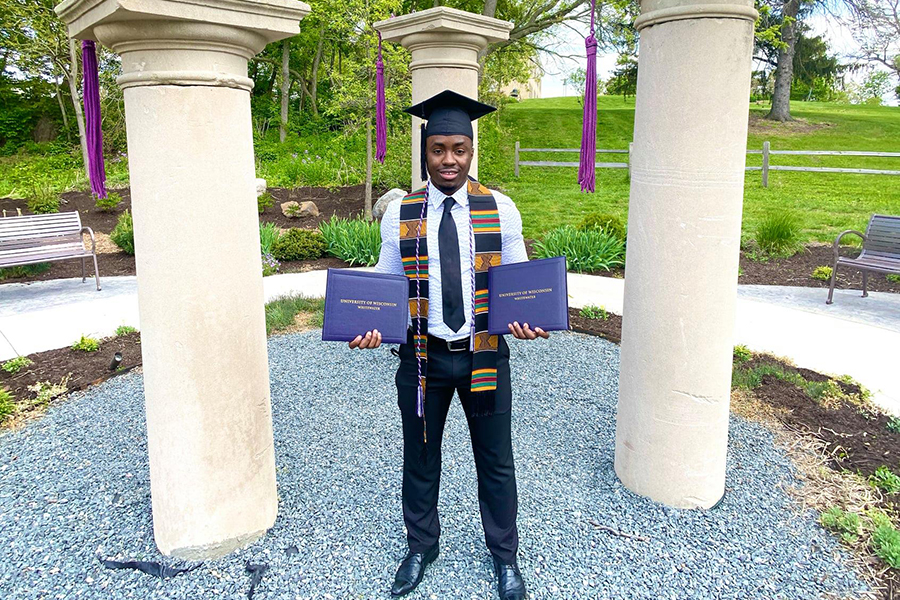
[{"x": 766, "y": 152}]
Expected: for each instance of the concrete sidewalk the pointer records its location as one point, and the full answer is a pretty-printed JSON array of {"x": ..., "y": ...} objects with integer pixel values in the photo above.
[{"x": 855, "y": 336}]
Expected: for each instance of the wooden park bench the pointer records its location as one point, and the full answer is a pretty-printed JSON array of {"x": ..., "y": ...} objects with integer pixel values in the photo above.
[
  {"x": 33, "y": 239},
  {"x": 880, "y": 251}
]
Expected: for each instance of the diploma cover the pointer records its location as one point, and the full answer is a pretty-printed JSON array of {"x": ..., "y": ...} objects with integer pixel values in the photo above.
[
  {"x": 532, "y": 292},
  {"x": 359, "y": 301}
]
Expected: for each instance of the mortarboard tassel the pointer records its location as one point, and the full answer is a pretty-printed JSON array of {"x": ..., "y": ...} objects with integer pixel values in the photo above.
[
  {"x": 92, "y": 126},
  {"x": 380, "y": 108},
  {"x": 586, "y": 168},
  {"x": 422, "y": 156}
]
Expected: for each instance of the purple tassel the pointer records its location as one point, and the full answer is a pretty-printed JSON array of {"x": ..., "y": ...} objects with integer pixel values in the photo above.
[
  {"x": 92, "y": 126},
  {"x": 380, "y": 108},
  {"x": 420, "y": 402},
  {"x": 586, "y": 168}
]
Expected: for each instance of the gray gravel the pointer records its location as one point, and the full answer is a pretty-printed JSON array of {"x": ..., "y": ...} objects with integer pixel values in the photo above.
[{"x": 76, "y": 483}]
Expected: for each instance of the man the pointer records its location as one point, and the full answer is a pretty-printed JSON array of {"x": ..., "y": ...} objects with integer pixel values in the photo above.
[{"x": 429, "y": 237}]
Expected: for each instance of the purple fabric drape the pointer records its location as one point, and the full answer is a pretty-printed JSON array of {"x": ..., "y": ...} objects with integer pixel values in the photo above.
[
  {"x": 92, "y": 129},
  {"x": 380, "y": 108},
  {"x": 586, "y": 169}
]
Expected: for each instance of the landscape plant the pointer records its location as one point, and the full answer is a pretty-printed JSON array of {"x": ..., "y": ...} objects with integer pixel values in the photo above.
[
  {"x": 885, "y": 480},
  {"x": 893, "y": 278},
  {"x": 586, "y": 251},
  {"x": 86, "y": 344},
  {"x": 355, "y": 241},
  {"x": 44, "y": 391},
  {"x": 609, "y": 223},
  {"x": 14, "y": 365},
  {"x": 270, "y": 265},
  {"x": 268, "y": 234},
  {"x": 109, "y": 203},
  {"x": 122, "y": 234},
  {"x": 822, "y": 273},
  {"x": 846, "y": 524},
  {"x": 281, "y": 312},
  {"x": 886, "y": 540},
  {"x": 264, "y": 201},
  {"x": 24, "y": 271},
  {"x": 124, "y": 330},
  {"x": 299, "y": 244},
  {"x": 778, "y": 234},
  {"x": 43, "y": 200},
  {"x": 7, "y": 404},
  {"x": 742, "y": 353},
  {"x": 893, "y": 425},
  {"x": 596, "y": 313}
]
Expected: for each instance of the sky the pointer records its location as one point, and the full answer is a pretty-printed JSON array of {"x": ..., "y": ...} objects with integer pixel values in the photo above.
[{"x": 571, "y": 42}]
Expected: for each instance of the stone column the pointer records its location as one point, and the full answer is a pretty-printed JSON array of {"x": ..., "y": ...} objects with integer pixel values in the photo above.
[
  {"x": 444, "y": 43},
  {"x": 200, "y": 294},
  {"x": 684, "y": 225}
]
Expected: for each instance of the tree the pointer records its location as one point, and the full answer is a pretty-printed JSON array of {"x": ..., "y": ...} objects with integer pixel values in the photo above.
[
  {"x": 784, "y": 72},
  {"x": 876, "y": 26},
  {"x": 39, "y": 47},
  {"x": 624, "y": 77}
]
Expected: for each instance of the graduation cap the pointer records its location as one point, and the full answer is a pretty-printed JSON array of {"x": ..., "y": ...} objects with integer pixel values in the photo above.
[{"x": 447, "y": 113}]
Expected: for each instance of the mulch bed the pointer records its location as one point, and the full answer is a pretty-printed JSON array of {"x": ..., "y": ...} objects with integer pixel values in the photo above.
[
  {"x": 347, "y": 202},
  {"x": 609, "y": 328},
  {"x": 82, "y": 368},
  {"x": 797, "y": 270}
]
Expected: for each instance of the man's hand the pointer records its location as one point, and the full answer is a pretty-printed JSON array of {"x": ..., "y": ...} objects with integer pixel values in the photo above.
[
  {"x": 371, "y": 340},
  {"x": 523, "y": 332}
]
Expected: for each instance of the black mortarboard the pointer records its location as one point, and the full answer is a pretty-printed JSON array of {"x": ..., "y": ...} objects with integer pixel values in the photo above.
[{"x": 447, "y": 113}]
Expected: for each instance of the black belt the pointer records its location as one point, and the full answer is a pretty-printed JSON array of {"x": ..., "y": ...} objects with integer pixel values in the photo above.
[{"x": 454, "y": 346}]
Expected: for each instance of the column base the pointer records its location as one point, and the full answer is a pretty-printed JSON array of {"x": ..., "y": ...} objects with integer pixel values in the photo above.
[{"x": 217, "y": 549}]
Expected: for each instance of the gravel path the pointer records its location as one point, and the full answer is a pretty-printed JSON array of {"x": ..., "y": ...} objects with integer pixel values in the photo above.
[{"x": 76, "y": 483}]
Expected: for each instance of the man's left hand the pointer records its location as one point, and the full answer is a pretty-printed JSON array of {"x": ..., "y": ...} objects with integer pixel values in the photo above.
[{"x": 524, "y": 332}]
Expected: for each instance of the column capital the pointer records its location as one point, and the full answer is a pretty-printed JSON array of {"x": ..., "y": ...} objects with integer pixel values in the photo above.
[
  {"x": 432, "y": 26},
  {"x": 174, "y": 42},
  {"x": 655, "y": 12}
]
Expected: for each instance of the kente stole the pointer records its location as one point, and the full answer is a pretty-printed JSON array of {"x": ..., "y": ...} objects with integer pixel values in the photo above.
[{"x": 485, "y": 253}]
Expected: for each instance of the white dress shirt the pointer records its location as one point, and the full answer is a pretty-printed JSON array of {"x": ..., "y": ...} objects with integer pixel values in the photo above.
[{"x": 389, "y": 261}]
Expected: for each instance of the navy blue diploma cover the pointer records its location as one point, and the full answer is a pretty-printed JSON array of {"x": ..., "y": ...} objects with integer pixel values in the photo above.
[
  {"x": 357, "y": 302},
  {"x": 532, "y": 292}
]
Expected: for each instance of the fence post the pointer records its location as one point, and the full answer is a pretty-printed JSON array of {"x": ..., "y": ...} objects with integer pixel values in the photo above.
[
  {"x": 630, "y": 147},
  {"x": 517, "y": 158},
  {"x": 765, "y": 165}
]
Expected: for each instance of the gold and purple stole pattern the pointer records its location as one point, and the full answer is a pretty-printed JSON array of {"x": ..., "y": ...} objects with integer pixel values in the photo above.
[{"x": 485, "y": 253}]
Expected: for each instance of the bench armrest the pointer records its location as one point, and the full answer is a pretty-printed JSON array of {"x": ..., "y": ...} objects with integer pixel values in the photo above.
[
  {"x": 837, "y": 241},
  {"x": 90, "y": 232}
]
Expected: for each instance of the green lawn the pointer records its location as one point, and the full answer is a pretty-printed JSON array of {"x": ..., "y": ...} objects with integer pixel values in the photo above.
[{"x": 827, "y": 203}]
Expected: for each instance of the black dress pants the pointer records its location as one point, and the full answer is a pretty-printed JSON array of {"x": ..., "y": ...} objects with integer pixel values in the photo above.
[{"x": 450, "y": 371}]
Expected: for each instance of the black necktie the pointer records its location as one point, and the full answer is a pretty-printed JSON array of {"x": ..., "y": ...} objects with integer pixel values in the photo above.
[{"x": 451, "y": 272}]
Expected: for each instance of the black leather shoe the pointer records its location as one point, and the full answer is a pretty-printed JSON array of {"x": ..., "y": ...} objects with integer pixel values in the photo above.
[
  {"x": 510, "y": 585},
  {"x": 412, "y": 570}
]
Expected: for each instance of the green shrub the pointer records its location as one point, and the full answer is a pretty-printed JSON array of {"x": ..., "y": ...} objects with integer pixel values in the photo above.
[
  {"x": 778, "y": 234},
  {"x": 122, "y": 234},
  {"x": 14, "y": 365},
  {"x": 893, "y": 425},
  {"x": 844, "y": 523},
  {"x": 596, "y": 313},
  {"x": 609, "y": 223},
  {"x": 7, "y": 404},
  {"x": 822, "y": 273},
  {"x": 356, "y": 241},
  {"x": 23, "y": 271},
  {"x": 86, "y": 344},
  {"x": 585, "y": 250},
  {"x": 268, "y": 234},
  {"x": 299, "y": 244},
  {"x": 109, "y": 203},
  {"x": 264, "y": 201},
  {"x": 43, "y": 200},
  {"x": 742, "y": 353},
  {"x": 886, "y": 543},
  {"x": 885, "y": 479},
  {"x": 124, "y": 330},
  {"x": 893, "y": 278}
]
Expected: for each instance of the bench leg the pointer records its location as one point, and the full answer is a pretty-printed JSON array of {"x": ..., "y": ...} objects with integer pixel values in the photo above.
[
  {"x": 96, "y": 272},
  {"x": 831, "y": 285},
  {"x": 865, "y": 284},
  {"x": 83, "y": 274}
]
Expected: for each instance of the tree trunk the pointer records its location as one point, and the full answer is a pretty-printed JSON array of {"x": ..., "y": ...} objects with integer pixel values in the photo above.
[
  {"x": 314, "y": 75},
  {"x": 285, "y": 87},
  {"x": 72, "y": 79},
  {"x": 62, "y": 109},
  {"x": 490, "y": 8},
  {"x": 784, "y": 73}
]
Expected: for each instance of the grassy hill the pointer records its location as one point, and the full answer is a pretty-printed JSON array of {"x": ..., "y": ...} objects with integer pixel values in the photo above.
[{"x": 827, "y": 203}]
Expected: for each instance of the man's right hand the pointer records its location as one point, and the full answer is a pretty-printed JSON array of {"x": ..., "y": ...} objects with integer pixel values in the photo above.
[{"x": 372, "y": 340}]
